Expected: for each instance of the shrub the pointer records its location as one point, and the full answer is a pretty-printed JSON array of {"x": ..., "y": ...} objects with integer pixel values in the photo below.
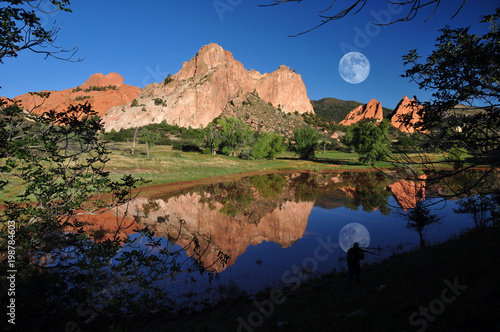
[
  {"x": 186, "y": 145},
  {"x": 159, "y": 101}
]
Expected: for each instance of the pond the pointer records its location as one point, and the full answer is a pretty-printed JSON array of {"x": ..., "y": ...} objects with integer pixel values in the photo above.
[{"x": 279, "y": 229}]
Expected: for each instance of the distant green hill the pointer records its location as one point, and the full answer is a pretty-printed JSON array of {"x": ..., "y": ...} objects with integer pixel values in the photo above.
[{"x": 333, "y": 109}]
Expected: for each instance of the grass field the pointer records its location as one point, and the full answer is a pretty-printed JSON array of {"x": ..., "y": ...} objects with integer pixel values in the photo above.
[{"x": 168, "y": 166}]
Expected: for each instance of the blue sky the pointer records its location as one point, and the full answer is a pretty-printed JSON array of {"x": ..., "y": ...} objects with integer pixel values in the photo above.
[{"x": 145, "y": 40}]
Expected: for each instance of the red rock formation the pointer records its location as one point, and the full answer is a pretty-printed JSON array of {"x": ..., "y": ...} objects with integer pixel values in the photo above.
[
  {"x": 204, "y": 87},
  {"x": 372, "y": 110},
  {"x": 115, "y": 94},
  {"x": 408, "y": 193},
  {"x": 406, "y": 108}
]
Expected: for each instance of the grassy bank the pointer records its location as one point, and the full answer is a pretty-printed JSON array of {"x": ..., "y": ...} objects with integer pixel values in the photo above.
[
  {"x": 167, "y": 166},
  {"x": 456, "y": 281}
]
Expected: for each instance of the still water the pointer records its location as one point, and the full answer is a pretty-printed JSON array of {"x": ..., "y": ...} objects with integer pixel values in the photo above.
[{"x": 278, "y": 229}]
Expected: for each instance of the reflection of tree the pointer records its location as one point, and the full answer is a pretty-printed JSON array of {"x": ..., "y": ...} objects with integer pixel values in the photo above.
[
  {"x": 418, "y": 218},
  {"x": 306, "y": 187},
  {"x": 269, "y": 185},
  {"x": 370, "y": 192},
  {"x": 236, "y": 196},
  {"x": 479, "y": 208}
]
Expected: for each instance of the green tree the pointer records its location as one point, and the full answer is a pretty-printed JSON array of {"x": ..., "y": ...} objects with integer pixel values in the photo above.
[
  {"x": 462, "y": 117},
  {"x": 418, "y": 218},
  {"x": 148, "y": 137},
  {"x": 306, "y": 142},
  {"x": 234, "y": 133},
  {"x": 367, "y": 140},
  {"x": 267, "y": 146},
  {"x": 59, "y": 162},
  {"x": 212, "y": 138},
  {"x": 479, "y": 208}
]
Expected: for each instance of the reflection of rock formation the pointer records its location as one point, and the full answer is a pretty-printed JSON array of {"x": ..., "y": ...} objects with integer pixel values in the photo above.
[
  {"x": 107, "y": 225},
  {"x": 408, "y": 193},
  {"x": 220, "y": 232}
]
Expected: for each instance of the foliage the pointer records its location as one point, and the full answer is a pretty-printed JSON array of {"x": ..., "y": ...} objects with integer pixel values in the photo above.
[
  {"x": 370, "y": 191},
  {"x": 479, "y": 208},
  {"x": 234, "y": 133},
  {"x": 418, "y": 218},
  {"x": 368, "y": 140},
  {"x": 148, "y": 137},
  {"x": 306, "y": 141},
  {"x": 95, "y": 88},
  {"x": 160, "y": 102},
  {"x": 212, "y": 138},
  {"x": 61, "y": 263},
  {"x": 462, "y": 118},
  {"x": 168, "y": 79},
  {"x": 186, "y": 145},
  {"x": 21, "y": 28},
  {"x": 267, "y": 146},
  {"x": 269, "y": 186},
  {"x": 165, "y": 133},
  {"x": 319, "y": 122}
]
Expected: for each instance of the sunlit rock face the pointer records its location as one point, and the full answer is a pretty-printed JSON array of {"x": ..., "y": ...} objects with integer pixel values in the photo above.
[
  {"x": 217, "y": 231},
  {"x": 101, "y": 91},
  {"x": 372, "y": 110},
  {"x": 406, "y": 114},
  {"x": 204, "y": 87},
  {"x": 408, "y": 193}
]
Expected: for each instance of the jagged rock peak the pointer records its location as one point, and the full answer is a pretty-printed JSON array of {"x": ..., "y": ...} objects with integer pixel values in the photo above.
[
  {"x": 99, "y": 79},
  {"x": 371, "y": 110},
  {"x": 204, "y": 87},
  {"x": 406, "y": 108}
]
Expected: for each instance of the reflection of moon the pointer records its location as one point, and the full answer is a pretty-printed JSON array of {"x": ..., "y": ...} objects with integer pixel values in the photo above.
[
  {"x": 354, "y": 67},
  {"x": 351, "y": 233}
]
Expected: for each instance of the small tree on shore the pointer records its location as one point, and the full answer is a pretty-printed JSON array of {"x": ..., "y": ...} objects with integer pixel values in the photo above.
[
  {"x": 418, "y": 218},
  {"x": 267, "y": 146},
  {"x": 306, "y": 142}
]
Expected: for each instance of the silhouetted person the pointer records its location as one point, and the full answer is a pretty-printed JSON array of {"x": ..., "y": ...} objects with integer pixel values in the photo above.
[{"x": 354, "y": 255}]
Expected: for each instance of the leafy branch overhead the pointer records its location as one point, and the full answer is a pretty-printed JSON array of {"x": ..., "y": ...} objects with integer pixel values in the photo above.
[
  {"x": 462, "y": 117},
  {"x": 22, "y": 28}
]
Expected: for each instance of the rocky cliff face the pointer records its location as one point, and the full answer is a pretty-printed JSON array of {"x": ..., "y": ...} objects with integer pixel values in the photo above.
[
  {"x": 372, "y": 110},
  {"x": 406, "y": 114},
  {"x": 204, "y": 87},
  {"x": 103, "y": 92}
]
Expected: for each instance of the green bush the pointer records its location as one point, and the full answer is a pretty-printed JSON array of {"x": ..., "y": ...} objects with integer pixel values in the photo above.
[
  {"x": 186, "y": 145},
  {"x": 159, "y": 101}
]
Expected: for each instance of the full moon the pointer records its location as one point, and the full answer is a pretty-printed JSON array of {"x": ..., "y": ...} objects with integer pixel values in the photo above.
[
  {"x": 354, "y": 67},
  {"x": 351, "y": 233}
]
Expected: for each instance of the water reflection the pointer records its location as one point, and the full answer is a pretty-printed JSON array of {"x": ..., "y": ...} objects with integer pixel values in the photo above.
[
  {"x": 269, "y": 224},
  {"x": 229, "y": 217}
]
